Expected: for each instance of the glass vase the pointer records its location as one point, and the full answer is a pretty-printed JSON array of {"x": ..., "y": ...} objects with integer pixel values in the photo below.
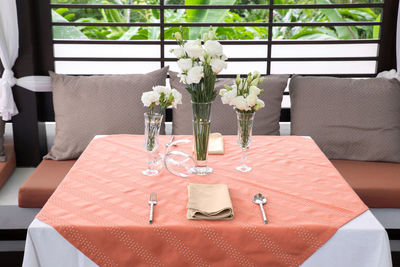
[
  {"x": 201, "y": 133},
  {"x": 152, "y": 125},
  {"x": 245, "y": 127}
]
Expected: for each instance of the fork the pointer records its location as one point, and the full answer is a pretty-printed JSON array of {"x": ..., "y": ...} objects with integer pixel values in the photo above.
[{"x": 152, "y": 202}]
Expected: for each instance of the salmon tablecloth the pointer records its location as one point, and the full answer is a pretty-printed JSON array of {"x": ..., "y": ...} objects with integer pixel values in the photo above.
[{"x": 101, "y": 206}]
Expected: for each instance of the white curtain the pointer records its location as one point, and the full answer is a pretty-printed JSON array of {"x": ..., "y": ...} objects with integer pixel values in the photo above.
[
  {"x": 9, "y": 45},
  {"x": 393, "y": 73}
]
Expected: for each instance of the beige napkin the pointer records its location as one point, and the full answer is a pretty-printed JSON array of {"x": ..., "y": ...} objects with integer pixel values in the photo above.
[
  {"x": 209, "y": 202},
  {"x": 215, "y": 144}
]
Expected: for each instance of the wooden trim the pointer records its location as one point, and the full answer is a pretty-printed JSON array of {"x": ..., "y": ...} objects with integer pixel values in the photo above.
[
  {"x": 29, "y": 147},
  {"x": 396, "y": 259},
  {"x": 387, "y": 48},
  {"x": 11, "y": 258},
  {"x": 394, "y": 234},
  {"x": 12, "y": 234}
]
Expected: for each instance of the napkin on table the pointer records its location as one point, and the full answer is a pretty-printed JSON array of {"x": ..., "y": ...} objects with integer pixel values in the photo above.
[
  {"x": 215, "y": 144},
  {"x": 209, "y": 202}
]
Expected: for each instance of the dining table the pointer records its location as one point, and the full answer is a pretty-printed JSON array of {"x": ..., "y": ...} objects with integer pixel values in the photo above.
[{"x": 99, "y": 214}]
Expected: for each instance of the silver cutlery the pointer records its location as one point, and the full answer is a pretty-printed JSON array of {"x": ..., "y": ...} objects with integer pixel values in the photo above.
[
  {"x": 261, "y": 200},
  {"x": 152, "y": 202}
]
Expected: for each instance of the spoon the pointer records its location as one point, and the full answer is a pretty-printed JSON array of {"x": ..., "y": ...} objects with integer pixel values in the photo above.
[{"x": 261, "y": 200}]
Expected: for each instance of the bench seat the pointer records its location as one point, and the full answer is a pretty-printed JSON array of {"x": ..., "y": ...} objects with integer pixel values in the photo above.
[
  {"x": 376, "y": 183},
  {"x": 7, "y": 167},
  {"x": 41, "y": 184}
]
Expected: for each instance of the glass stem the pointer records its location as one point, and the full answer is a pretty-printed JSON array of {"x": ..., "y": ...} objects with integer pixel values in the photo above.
[
  {"x": 244, "y": 156},
  {"x": 149, "y": 160}
]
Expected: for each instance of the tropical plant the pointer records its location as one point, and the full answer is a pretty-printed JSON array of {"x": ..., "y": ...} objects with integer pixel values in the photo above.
[{"x": 216, "y": 15}]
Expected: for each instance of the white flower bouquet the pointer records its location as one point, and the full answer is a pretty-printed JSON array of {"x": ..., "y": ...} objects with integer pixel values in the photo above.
[
  {"x": 162, "y": 96},
  {"x": 199, "y": 64},
  {"x": 200, "y": 61},
  {"x": 243, "y": 95}
]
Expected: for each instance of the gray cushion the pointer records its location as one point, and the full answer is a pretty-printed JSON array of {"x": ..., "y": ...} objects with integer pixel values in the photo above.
[
  {"x": 86, "y": 106},
  {"x": 223, "y": 117},
  {"x": 354, "y": 119}
]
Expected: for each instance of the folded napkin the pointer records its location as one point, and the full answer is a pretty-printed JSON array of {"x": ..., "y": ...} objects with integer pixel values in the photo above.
[
  {"x": 215, "y": 144},
  {"x": 209, "y": 202}
]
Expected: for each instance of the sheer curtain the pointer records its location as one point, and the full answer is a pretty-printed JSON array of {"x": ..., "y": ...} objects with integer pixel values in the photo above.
[{"x": 9, "y": 44}]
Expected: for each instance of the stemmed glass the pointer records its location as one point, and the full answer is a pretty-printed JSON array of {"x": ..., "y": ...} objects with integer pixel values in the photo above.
[
  {"x": 245, "y": 126},
  {"x": 152, "y": 123}
]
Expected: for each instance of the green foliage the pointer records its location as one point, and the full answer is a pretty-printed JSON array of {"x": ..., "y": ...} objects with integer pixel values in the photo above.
[
  {"x": 205, "y": 15},
  {"x": 216, "y": 15}
]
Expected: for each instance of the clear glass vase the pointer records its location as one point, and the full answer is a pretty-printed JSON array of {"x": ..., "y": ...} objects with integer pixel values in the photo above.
[
  {"x": 245, "y": 127},
  {"x": 201, "y": 133},
  {"x": 152, "y": 125}
]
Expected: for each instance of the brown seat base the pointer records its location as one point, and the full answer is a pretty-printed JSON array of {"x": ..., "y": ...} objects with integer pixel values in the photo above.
[
  {"x": 7, "y": 167},
  {"x": 38, "y": 188},
  {"x": 376, "y": 183}
]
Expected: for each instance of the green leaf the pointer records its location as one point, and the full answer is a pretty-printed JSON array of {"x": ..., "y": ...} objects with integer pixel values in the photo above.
[
  {"x": 129, "y": 33},
  {"x": 205, "y": 15},
  {"x": 62, "y": 10},
  {"x": 65, "y": 32},
  {"x": 69, "y": 17},
  {"x": 334, "y": 16},
  {"x": 376, "y": 29}
]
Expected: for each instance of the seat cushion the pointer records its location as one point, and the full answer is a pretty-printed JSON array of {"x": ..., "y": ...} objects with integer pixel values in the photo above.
[
  {"x": 349, "y": 119},
  {"x": 7, "y": 167},
  {"x": 37, "y": 189},
  {"x": 86, "y": 106},
  {"x": 377, "y": 183}
]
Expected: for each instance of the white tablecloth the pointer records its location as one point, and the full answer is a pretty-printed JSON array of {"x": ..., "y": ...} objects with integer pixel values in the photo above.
[{"x": 361, "y": 242}]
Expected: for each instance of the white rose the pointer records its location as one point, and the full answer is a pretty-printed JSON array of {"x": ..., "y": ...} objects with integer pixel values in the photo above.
[
  {"x": 254, "y": 90},
  {"x": 185, "y": 64},
  {"x": 251, "y": 100},
  {"x": 179, "y": 52},
  {"x": 217, "y": 65},
  {"x": 177, "y": 97},
  {"x": 193, "y": 49},
  {"x": 149, "y": 98},
  {"x": 229, "y": 96},
  {"x": 213, "y": 48},
  {"x": 260, "y": 104},
  {"x": 194, "y": 75},
  {"x": 224, "y": 57},
  {"x": 240, "y": 103},
  {"x": 222, "y": 92},
  {"x": 162, "y": 89}
]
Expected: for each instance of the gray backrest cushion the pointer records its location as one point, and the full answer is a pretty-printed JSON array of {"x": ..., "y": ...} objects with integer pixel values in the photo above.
[
  {"x": 86, "y": 106},
  {"x": 223, "y": 117},
  {"x": 354, "y": 119}
]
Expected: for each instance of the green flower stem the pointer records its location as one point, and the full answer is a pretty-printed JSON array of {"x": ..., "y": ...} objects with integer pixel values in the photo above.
[
  {"x": 152, "y": 130},
  {"x": 201, "y": 129}
]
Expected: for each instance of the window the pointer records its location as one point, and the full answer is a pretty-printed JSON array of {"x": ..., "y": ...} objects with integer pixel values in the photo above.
[{"x": 335, "y": 37}]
